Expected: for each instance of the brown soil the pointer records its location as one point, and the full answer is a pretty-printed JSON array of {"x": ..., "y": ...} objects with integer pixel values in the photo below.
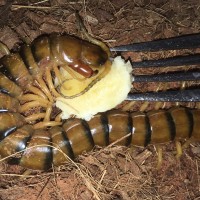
[{"x": 113, "y": 172}]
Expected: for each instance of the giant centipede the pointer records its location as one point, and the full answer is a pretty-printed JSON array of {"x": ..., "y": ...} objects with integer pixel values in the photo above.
[{"x": 30, "y": 125}]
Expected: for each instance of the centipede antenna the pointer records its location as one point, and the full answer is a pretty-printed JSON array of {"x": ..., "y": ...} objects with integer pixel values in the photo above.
[
  {"x": 168, "y": 77},
  {"x": 89, "y": 37},
  {"x": 190, "y": 95},
  {"x": 80, "y": 23},
  {"x": 171, "y": 61},
  {"x": 182, "y": 42}
]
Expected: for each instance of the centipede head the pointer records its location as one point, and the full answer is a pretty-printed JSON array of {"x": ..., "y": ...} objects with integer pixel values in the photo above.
[{"x": 81, "y": 56}]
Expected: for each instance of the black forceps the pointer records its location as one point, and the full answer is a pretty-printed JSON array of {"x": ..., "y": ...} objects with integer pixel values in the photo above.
[{"x": 176, "y": 43}]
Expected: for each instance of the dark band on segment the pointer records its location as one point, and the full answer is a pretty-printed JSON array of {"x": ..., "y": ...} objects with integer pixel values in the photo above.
[
  {"x": 88, "y": 132},
  {"x": 23, "y": 53},
  {"x": 129, "y": 130},
  {"x": 49, "y": 156},
  {"x": 190, "y": 121},
  {"x": 68, "y": 146},
  {"x": 171, "y": 125},
  {"x": 23, "y": 143},
  {"x": 104, "y": 121}
]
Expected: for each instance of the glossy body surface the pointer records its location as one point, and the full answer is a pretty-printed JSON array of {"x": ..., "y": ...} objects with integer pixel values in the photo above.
[{"x": 42, "y": 148}]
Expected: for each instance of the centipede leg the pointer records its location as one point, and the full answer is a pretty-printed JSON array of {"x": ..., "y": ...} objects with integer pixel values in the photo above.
[
  {"x": 58, "y": 74},
  {"x": 31, "y": 97},
  {"x": 44, "y": 88},
  {"x": 32, "y": 104},
  {"x": 158, "y": 105},
  {"x": 89, "y": 37},
  {"x": 50, "y": 83},
  {"x": 26, "y": 173},
  {"x": 160, "y": 156},
  {"x": 183, "y": 85},
  {"x": 128, "y": 106},
  {"x": 37, "y": 91},
  {"x": 144, "y": 106},
  {"x": 34, "y": 117},
  {"x": 59, "y": 77},
  {"x": 41, "y": 125},
  {"x": 146, "y": 103},
  {"x": 58, "y": 118},
  {"x": 48, "y": 113},
  {"x": 178, "y": 149}
]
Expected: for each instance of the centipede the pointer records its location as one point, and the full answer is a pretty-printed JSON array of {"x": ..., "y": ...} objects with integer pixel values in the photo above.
[{"x": 30, "y": 124}]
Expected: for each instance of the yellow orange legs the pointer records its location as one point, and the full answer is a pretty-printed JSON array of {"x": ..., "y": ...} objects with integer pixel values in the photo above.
[{"x": 160, "y": 156}]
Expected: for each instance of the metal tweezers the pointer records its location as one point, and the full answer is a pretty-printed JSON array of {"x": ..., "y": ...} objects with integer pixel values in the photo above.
[{"x": 176, "y": 43}]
